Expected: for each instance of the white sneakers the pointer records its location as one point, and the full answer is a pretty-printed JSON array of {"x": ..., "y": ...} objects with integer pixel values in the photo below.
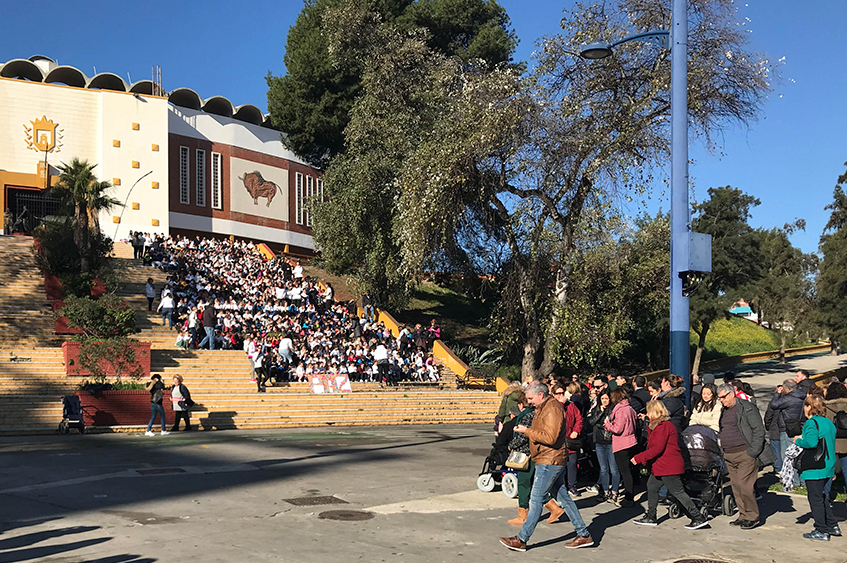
[{"x": 164, "y": 433}]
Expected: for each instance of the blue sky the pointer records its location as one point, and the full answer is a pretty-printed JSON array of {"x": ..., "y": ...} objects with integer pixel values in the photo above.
[{"x": 790, "y": 158}]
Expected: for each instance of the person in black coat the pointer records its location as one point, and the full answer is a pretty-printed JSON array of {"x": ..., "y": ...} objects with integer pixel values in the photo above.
[{"x": 639, "y": 398}]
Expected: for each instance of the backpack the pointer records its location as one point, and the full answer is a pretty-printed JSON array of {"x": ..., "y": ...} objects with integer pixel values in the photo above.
[{"x": 840, "y": 421}]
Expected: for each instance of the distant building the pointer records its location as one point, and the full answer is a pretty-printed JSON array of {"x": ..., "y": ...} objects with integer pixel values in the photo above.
[
  {"x": 742, "y": 309},
  {"x": 183, "y": 164}
]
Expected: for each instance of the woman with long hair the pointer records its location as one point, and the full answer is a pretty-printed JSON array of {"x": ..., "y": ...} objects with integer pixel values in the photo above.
[
  {"x": 707, "y": 412},
  {"x": 610, "y": 476},
  {"x": 621, "y": 424}
]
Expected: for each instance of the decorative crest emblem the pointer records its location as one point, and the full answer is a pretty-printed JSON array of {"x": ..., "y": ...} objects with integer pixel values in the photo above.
[{"x": 43, "y": 136}]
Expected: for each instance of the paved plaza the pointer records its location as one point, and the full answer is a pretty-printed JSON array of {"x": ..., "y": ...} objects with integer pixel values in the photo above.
[{"x": 238, "y": 496}]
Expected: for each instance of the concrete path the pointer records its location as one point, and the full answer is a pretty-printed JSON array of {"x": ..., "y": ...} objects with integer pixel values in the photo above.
[{"x": 233, "y": 497}]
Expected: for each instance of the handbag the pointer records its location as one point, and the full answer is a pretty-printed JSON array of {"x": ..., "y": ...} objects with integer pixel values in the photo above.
[
  {"x": 840, "y": 424},
  {"x": 518, "y": 460},
  {"x": 812, "y": 458}
]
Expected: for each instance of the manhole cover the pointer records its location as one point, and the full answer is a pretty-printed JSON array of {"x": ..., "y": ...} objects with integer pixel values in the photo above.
[
  {"x": 699, "y": 561},
  {"x": 346, "y": 515},
  {"x": 314, "y": 501},
  {"x": 162, "y": 471}
]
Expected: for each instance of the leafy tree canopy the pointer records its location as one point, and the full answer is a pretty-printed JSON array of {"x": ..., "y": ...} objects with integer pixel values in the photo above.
[
  {"x": 311, "y": 103},
  {"x": 832, "y": 280}
]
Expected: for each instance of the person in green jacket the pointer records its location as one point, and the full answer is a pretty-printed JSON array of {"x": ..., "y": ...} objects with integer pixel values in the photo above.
[{"x": 816, "y": 427}]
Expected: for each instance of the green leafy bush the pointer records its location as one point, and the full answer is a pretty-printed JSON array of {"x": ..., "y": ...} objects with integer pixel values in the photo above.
[
  {"x": 95, "y": 354},
  {"x": 106, "y": 317},
  {"x": 509, "y": 373},
  {"x": 77, "y": 285},
  {"x": 58, "y": 255},
  {"x": 735, "y": 337}
]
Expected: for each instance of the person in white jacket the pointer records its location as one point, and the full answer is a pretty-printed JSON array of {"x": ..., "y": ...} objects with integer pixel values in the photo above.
[{"x": 708, "y": 411}]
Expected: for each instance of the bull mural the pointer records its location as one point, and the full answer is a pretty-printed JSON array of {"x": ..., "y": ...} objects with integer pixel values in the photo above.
[{"x": 258, "y": 187}]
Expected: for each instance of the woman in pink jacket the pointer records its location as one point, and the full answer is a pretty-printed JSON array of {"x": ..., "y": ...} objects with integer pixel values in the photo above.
[{"x": 622, "y": 426}]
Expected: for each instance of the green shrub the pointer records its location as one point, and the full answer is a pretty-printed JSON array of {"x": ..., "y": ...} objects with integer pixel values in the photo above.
[
  {"x": 106, "y": 317},
  {"x": 57, "y": 254},
  {"x": 735, "y": 337},
  {"x": 509, "y": 373},
  {"x": 118, "y": 352},
  {"x": 77, "y": 285}
]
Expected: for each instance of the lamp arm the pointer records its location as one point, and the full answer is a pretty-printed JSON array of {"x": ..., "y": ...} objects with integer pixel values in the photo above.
[
  {"x": 126, "y": 200},
  {"x": 660, "y": 38}
]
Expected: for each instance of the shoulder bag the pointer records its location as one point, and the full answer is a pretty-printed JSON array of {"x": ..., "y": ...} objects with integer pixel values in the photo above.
[
  {"x": 518, "y": 460},
  {"x": 812, "y": 458}
]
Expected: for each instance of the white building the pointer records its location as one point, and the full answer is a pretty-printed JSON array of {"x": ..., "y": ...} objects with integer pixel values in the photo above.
[{"x": 181, "y": 163}]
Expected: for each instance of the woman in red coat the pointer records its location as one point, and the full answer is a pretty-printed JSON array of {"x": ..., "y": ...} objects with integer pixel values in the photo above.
[{"x": 666, "y": 467}]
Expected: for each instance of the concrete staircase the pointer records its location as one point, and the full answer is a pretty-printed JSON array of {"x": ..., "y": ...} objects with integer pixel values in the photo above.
[{"x": 31, "y": 387}]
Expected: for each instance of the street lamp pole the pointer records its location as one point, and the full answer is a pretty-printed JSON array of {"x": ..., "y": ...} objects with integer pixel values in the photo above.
[
  {"x": 680, "y": 214},
  {"x": 684, "y": 270}
]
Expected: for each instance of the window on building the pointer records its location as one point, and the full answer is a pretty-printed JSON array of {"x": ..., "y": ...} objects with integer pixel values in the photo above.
[
  {"x": 184, "y": 188},
  {"x": 201, "y": 178},
  {"x": 320, "y": 190},
  {"x": 217, "y": 202},
  {"x": 298, "y": 191},
  {"x": 310, "y": 192}
]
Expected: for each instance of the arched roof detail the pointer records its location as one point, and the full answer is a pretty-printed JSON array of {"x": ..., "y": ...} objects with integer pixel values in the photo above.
[
  {"x": 185, "y": 97},
  {"x": 35, "y": 58},
  {"x": 142, "y": 87},
  {"x": 107, "y": 81},
  {"x": 218, "y": 105},
  {"x": 69, "y": 75},
  {"x": 266, "y": 122},
  {"x": 249, "y": 113},
  {"x": 22, "y": 68}
]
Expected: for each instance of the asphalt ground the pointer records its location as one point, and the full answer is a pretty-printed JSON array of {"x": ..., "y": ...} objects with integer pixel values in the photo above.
[{"x": 235, "y": 496}]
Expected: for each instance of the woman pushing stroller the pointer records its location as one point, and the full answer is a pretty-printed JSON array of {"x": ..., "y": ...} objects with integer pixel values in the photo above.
[{"x": 666, "y": 467}]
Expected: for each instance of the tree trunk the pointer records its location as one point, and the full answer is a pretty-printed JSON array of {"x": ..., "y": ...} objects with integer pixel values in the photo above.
[
  {"x": 833, "y": 347},
  {"x": 781, "y": 344},
  {"x": 81, "y": 234},
  {"x": 695, "y": 369}
]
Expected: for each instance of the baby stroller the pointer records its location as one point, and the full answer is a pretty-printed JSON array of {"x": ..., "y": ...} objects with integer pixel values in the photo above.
[
  {"x": 494, "y": 472},
  {"x": 704, "y": 480},
  {"x": 71, "y": 415}
]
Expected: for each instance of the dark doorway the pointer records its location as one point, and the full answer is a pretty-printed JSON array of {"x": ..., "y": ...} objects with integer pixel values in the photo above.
[{"x": 29, "y": 206}]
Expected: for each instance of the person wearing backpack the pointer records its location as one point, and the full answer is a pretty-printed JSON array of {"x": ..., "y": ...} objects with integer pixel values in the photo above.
[
  {"x": 836, "y": 411},
  {"x": 787, "y": 406}
]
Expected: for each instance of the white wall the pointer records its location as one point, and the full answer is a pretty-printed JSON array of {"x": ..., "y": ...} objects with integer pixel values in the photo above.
[
  {"x": 119, "y": 111},
  {"x": 239, "y": 230},
  {"x": 76, "y": 111}
]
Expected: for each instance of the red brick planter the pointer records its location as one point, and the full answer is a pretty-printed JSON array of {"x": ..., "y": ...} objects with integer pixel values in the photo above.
[
  {"x": 122, "y": 408},
  {"x": 60, "y": 325},
  {"x": 53, "y": 288},
  {"x": 70, "y": 352}
]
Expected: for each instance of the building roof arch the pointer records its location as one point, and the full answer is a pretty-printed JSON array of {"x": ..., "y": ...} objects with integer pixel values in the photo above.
[
  {"x": 249, "y": 113},
  {"x": 69, "y": 75},
  {"x": 22, "y": 68},
  {"x": 185, "y": 97},
  {"x": 218, "y": 105},
  {"x": 143, "y": 87},
  {"x": 107, "y": 81}
]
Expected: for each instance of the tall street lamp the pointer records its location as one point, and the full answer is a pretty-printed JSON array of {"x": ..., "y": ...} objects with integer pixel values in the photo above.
[{"x": 685, "y": 264}]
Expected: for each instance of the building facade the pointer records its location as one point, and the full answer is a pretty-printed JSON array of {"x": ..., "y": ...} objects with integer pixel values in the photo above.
[{"x": 182, "y": 164}]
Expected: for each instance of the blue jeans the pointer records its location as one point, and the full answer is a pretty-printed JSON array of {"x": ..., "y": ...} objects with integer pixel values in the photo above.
[
  {"x": 156, "y": 408},
  {"x": 784, "y": 441},
  {"x": 776, "y": 448},
  {"x": 608, "y": 468},
  {"x": 168, "y": 316},
  {"x": 210, "y": 337},
  {"x": 550, "y": 478},
  {"x": 828, "y": 486}
]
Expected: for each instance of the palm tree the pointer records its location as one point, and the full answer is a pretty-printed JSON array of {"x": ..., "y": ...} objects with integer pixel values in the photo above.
[{"x": 78, "y": 187}]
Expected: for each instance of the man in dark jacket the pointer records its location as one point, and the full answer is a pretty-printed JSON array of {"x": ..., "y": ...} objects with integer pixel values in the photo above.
[
  {"x": 210, "y": 319},
  {"x": 641, "y": 396},
  {"x": 547, "y": 449},
  {"x": 743, "y": 441},
  {"x": 787, "y": 405}
]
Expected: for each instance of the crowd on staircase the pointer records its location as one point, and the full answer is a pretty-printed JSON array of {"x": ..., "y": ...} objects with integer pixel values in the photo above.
[{"x": 225, "y": 294}]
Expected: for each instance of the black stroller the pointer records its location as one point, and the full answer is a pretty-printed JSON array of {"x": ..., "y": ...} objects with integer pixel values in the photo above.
[
  {"x": 704, "y": 479},
  {"x": 71, "y": 415},
  {"x": 495, "y": 472}
]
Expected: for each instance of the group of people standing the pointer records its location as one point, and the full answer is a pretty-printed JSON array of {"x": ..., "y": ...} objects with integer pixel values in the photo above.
[{"x": 620, "y": 425}]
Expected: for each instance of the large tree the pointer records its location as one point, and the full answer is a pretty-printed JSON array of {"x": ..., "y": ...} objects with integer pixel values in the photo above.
[
  {"x": 444, "y": 157},
  {"x": 782, "y": 295},
  {"x": 832, "y": 280},
  {"x": 311, "y": 103},
  {"x": 736, "y": 259}
]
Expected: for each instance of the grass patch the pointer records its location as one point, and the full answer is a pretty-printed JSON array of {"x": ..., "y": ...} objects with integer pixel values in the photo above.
[
  {"x": 801, "y": 491},
  {"x": 463, "y": 320},
  {"x": 737, "y": 336}
]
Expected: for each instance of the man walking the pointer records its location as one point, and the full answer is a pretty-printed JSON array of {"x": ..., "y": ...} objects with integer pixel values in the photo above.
[
  {"x": 743, "y": 441},
  {"x": 547, "y": 449},
  {"x": 210, "y": 319}
]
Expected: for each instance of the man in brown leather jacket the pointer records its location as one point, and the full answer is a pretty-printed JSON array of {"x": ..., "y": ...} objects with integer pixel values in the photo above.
[{"x": 547, "y": 450}]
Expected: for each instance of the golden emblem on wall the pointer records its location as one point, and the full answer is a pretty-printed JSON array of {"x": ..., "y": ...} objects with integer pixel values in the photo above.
[{"x": 44, "y": 135}]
